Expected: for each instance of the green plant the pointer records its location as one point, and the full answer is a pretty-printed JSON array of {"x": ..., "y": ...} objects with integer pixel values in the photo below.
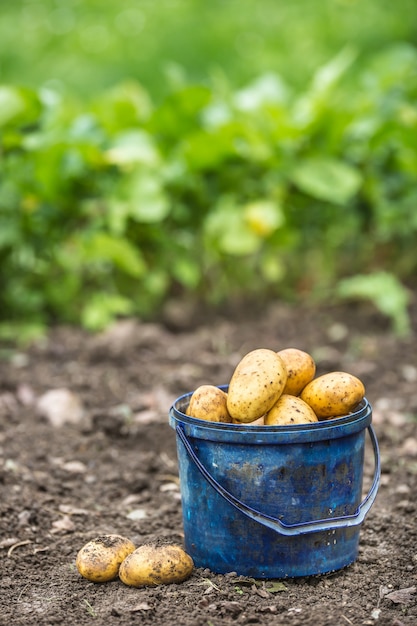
[
  {"x": 84, "y": 47},
  {"x": 112, "y": 207},
  {"x": 90, "y": 609},
  {"x": 388, "y": 295}
]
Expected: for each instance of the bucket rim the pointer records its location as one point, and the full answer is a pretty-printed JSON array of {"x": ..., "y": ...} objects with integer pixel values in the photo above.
[{"x": 362, "y": 410}]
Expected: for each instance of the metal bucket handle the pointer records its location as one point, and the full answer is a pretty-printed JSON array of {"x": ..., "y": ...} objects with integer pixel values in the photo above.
[{"x": 300, "y": 528}]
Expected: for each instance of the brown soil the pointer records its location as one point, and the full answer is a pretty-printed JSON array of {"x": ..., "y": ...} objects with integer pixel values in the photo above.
[{"x": 114, "y": 470}]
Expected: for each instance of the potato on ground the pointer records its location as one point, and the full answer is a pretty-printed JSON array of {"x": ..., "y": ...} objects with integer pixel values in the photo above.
[
  {"x": 334, "y": 394},
  {"x": 289, "y": 410},
  {"x": 301, "y": 369},
  {"x": 209, "y": 403},
  {"x": 152, "y": 564},
  {"x": 99, "y": 560},
  {"x": 256, "y": 384}
]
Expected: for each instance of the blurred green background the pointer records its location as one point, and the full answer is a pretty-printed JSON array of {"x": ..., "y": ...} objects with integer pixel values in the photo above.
[
  {"x": 212, "y": 151},
  {"x": 88, "y": 45}
]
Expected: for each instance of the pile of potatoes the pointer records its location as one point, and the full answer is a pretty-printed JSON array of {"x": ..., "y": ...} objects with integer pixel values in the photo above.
[
  {"x": 110, "y": 556},
  {"x": 277, "y": 388}
]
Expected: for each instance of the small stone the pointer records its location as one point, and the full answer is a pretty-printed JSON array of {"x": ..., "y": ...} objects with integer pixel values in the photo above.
[
  {"x": 75, "y": 467},
  {"x": 409, "y": 447},
  {"x": 60, "y": 406}
]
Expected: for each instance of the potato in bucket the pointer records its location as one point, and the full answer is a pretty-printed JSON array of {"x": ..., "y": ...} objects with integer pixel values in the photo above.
[
  {"x": 209, "y": 403},
  {"x": 334, "y": 394},
  {"x": 301, "y": 369},
  {"x": 256, "y": 384},
  {"x": 290, "y": 410}
]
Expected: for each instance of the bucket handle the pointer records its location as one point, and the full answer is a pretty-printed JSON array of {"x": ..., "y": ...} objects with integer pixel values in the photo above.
[{"x": 301, "y": 528}]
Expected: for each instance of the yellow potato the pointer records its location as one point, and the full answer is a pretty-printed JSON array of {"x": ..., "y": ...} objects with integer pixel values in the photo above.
[
  {"x": 301, "y": 368},
  {"x": 288, "y": 410},
  {"x": 99, "y": 560},
  {"x": 152, "y": 564},
  {"x": 334, "y": 394},
  {"x": 256, "y": 384},
  {"x": 259, "y": 422},
  {"x": 209, "y": 403}
]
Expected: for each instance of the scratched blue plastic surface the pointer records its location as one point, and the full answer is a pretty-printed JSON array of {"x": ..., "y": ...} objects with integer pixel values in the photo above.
[{"x": 295, "y": 474}]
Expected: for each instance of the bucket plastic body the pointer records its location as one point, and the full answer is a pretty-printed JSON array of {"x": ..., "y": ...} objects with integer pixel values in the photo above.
[{"x": 273, "y": 501}]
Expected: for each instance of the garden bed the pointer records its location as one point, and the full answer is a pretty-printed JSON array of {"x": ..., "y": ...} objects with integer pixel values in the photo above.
[{"x": 110, "y": 466}]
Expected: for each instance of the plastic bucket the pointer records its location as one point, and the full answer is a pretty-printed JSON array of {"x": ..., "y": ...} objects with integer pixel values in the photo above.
[{"x": 273, "y": 501}]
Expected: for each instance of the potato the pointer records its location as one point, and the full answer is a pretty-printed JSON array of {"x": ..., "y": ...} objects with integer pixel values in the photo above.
[
  {"x": 333, "y": 394},
  {"x": 256, "y": 384},
  {"x": 209, "y": 403},
  {"x": 258, "y": 422},
  {"x": 290, "y": 409},
  {"x": 153, "y": 564},
  {"x": 99, "y": 560},
  {"x": 301, "y": 368}
]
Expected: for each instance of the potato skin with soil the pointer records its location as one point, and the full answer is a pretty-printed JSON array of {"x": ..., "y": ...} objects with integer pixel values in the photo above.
[
  {"x": 209, "y": 403},
  {"x": 334, "y": 394},
  {"x": 290, "y": 410},
  {"x": 256, "y": 384},
  {"x": 156, "y": 565},
  {"x": 99, "y": 560},
  {"x": 301, "y": 369}
]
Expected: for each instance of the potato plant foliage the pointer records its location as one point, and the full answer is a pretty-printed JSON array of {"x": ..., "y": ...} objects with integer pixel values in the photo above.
[{"x": 111, "y": 206}]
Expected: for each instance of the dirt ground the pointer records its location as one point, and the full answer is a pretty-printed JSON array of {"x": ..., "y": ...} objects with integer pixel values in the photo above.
[{"x": 100, "y": 457}]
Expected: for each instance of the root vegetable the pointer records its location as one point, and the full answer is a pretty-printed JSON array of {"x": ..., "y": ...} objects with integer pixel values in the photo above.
[
  {"x": 300, "y": 367},
  {"x": 334, "y": 394},
  {"x": 99, "y": 560},
  {"x": 209, "y": 403},
  {"x": 152, "y": 564},
  {"x": 290, "y": 410},
  {"x": 256, "y": 384}
]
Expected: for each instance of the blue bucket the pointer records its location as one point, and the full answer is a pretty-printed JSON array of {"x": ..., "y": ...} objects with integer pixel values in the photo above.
[{"x": 273, "y": 501}]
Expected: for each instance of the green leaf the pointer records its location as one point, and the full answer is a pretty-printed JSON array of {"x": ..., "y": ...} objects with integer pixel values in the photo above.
[
  {"x": 330, "y": 73},
  {"x": 11, "y": 104},
  {"x": 317, "y": 100},
  {"x": 385, "y": 291},
  {"x": 327, "y": 179},
  {"x": 146, "y": 198},
  {"x": 206, "y": 149},
  {"x": 187, "y": 272},
  {"x": 102, "y": 309},
  {"x": 263, "y": 217},
  {"x": 18, "y": 105},
  {"x": 133, "y": 147},
  {"x": 123, "y": 107},
  {"x": 9, "y": 234},
  {"x": 228, "y": 231},
  {"x": 267, "y": 89},
  {"x": 272, "y": 267},
  {"x": 115, "y": 250},
  {"x": 180, "y": 111}
]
